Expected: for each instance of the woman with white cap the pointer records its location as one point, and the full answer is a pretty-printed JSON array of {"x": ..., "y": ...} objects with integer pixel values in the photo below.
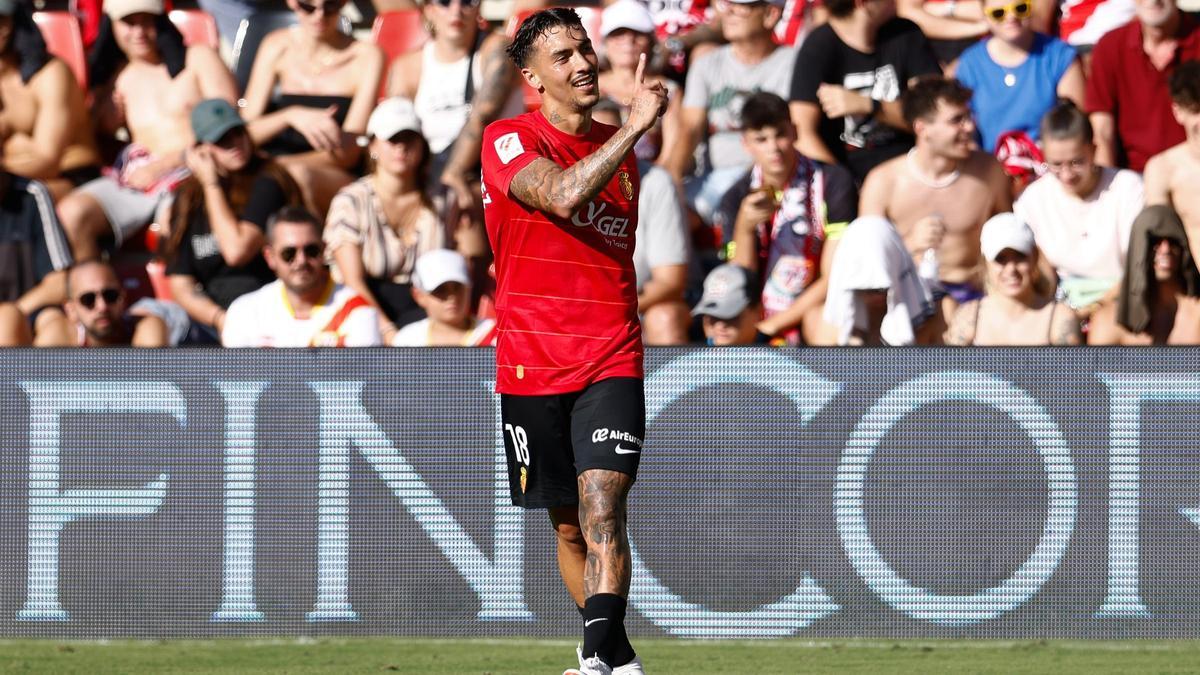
[
  {"x": 379, "y": 225},
  {"x": 442, "y": 287},
  {"x": 1018, "y": 307},
  {"x": 628, "y": 32}
]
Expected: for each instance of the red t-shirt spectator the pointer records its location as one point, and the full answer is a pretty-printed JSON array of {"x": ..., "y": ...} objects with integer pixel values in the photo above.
[
  {"x": 1125, "y": 84},
  {"x": 566, "y": 291}
]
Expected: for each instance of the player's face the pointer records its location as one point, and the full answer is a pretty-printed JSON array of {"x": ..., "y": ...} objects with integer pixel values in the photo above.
[
  {"x": 97, "y": 301},
  {"x": 950, "y": 132},
  {"x": 771, "y": 149},
  {"x": 448, "y": 304},
  {"x": 1165, "y": 262},
  {"x": 1154, "y": 13},
  {"x": 1072, "y": 161},
  {"x": 1189, "y": 119},
  {"x": 624, "y": 46},
  {"x": 737, "y": 331},
  {"x": 564, "y": 67},
  {"x": 1011, "y": 273},
  {"x": 297, "y": 256}
]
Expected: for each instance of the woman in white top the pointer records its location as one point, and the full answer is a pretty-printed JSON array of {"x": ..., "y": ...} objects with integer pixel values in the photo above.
[
  {"x": 442, "y": 287},
  {"x": 1019, "y": 308},
  {"x": 380, "y": 224},
  {"x": 628, "y": 31}
]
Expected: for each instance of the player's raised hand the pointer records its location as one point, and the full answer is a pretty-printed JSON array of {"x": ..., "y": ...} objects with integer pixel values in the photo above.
[{"x": 649, "y": 99}]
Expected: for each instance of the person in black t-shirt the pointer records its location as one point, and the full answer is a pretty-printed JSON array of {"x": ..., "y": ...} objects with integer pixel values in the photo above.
[
  {"x": 847, "y": 84},
  {"x": 214, "y": 250}
]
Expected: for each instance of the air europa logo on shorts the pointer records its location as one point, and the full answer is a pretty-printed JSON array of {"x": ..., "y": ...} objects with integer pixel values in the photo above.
[
  {"x": 593, "y": 216},
  {"x": 601, "y": 435}
]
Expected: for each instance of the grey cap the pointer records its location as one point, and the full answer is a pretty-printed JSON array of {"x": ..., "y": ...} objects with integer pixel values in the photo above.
[
  {"x": 726, "y": 292},
  {"x": 8, "y": 7},
  {"x": 213, "y": 118}
]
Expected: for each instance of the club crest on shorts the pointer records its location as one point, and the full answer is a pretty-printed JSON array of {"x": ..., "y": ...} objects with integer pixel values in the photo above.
[
  {"x": 626, "y": 184},
  {"x": 524, "y": 478}
]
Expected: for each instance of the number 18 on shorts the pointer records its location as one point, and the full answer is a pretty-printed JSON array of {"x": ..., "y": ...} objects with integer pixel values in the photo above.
[{"x": 550, "y": 440}]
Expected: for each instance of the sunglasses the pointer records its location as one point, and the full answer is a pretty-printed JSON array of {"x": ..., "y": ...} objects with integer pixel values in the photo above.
[
  {"x": 110, "y": 295},
  {"x": 328, "y": 7},
  {"x": 310, "y": 251},
  {"x": 1019, "y": 10}
]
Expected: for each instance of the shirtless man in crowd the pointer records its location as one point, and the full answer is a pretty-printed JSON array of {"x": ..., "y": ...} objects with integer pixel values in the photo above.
[
  {"x": 940, "y": 194},
  {"x": 1172, "y": 175},
  {"x": 151, "y": 92}
]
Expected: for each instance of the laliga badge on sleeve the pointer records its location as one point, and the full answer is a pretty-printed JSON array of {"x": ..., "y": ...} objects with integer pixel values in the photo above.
[{"x": 508, "y": 147}]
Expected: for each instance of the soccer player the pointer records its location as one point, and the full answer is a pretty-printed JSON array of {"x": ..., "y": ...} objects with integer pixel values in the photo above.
[{"x": 560, "y": 205}]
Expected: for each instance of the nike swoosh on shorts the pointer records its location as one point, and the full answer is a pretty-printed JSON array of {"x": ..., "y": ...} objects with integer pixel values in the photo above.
[{"x": 626, "y": 451}]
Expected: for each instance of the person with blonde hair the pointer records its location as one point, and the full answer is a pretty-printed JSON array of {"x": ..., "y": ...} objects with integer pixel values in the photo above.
[{"x": 1018, "y": 307}]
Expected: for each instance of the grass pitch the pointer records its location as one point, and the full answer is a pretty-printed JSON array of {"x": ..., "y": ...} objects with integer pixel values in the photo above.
[{"x": 662, "y": 657}]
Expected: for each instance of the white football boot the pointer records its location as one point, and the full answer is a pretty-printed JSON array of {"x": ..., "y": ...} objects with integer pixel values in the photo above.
[
  {"x": 592, "y": 666},
  {"x": 634, "y": 667}
]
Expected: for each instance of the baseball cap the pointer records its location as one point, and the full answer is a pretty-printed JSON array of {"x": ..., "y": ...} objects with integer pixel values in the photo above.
[
  {"x": 726, "y": 292},
  {"x": 392, "y": 116},
  {"x": 8, "y": 7},
  {"x": 119, "y": 9},
  {"x": 630, "y": 14},
  {"x": 1006, "y": 230},
  {"x": 213, "y": 118},
  {"x": 440, "y": 266}
]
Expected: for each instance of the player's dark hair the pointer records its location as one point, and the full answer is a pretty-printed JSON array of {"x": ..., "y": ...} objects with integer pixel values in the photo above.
[
  {"x": 536, "y": 26},
  {"x": 762, "y": 110},
  {"x": 840, "y": 8},
  {"x": 920, "y": 100},
  {"x": 1066, "y": 122},
  {"x": 292, "y": 215},
  {"x": 1185, "y": 85}
]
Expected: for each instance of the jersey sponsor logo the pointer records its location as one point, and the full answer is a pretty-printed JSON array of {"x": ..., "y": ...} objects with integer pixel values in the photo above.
[
  {"x": 593, "y": 216},
  {"x": 626, "y": 184},
  {"x": 508, "y": 147}
]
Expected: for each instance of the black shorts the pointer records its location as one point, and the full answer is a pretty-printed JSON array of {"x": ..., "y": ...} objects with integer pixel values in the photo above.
[{"x": 550, "y": 440}]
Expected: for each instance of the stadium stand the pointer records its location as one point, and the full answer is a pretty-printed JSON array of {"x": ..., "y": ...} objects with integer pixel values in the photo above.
[
  {"x": 198, "y": 27},
  {"x": 65, "y": 40}
]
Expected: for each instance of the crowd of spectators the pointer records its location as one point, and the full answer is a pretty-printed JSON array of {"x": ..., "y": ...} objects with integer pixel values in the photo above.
[{"x": 828, "y": 172}]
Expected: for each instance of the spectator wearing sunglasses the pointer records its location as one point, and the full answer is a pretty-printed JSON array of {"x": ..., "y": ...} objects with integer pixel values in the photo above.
[
  {"x": 304, "y": 307},
  {"x": 95, "y": 314},
  {"x": 380, "y": 224},
  {"x": 310, "y": 93},
  {"x": 1017, "y": 74},
  {"x": 1128, "y": 99},
  {"x": 218, "y": 219},
  {"x": 146, "y": 81}
]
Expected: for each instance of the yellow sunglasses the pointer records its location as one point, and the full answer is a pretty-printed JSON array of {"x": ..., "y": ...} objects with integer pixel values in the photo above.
[{"x": 1019, "y": 10}]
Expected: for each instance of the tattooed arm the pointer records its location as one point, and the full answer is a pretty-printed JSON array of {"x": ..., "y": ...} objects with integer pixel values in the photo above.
[
  {"x": 500, "y": 79},
  {"x": 548, "y": 187},
  {"x": 1065, "y": 329}
]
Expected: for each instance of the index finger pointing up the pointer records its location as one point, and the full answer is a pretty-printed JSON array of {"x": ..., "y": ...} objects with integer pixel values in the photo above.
[{"x": 639, "y": 76}]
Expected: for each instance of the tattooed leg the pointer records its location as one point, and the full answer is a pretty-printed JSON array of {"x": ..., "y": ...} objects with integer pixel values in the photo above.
[
  {"x": 602, "y": 509},
  {"x": 572, "y": 550}
]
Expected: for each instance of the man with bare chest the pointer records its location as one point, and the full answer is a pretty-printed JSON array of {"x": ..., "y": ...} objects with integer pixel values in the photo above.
[
  {"x": 1159, "y": 303},
  {"x": 1172, "y": 175},
  {"x": 148, "y": 84},
  {"x": 939, "y": 195}
]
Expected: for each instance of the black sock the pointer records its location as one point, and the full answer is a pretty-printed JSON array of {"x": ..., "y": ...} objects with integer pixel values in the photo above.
[
  {"x": 622, "y": 651},
  {"x": 603, "y": 620}
]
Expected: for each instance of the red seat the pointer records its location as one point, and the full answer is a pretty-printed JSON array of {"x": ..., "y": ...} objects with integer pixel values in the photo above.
[
  {"x": 198, "y": 27},
  {"x": 63, "y": 39},
  {"x": 156, "y": 272},
  {"x": 397, "y": 33}
]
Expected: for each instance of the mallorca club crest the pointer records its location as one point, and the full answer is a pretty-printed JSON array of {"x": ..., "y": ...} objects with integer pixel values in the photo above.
[{"x": 626, "y": 184}]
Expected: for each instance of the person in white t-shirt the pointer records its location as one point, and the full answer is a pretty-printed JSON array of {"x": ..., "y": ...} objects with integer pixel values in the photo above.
[
  {"x": 304, "y": 307},
  {"x": 1081, "y": 213},
  {"x": 442, "y": 287}
]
